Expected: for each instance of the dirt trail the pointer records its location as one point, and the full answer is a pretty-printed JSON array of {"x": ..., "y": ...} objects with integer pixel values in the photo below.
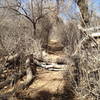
[{"x": 49, "y": 85}]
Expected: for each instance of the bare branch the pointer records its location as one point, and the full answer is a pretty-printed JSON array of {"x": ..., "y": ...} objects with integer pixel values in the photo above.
[{"x": 89, "y": 29}]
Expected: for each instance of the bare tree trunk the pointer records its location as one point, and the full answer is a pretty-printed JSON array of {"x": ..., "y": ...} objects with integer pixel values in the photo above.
[
  {"x": 83, "y": 6},
  {"x": 34, "y": 26}
]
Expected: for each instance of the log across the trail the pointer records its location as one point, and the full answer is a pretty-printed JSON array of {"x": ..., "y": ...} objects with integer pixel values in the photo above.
[{"x": 36, "y": 61}]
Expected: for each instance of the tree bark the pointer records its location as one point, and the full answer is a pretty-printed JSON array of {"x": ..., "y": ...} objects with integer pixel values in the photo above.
[{"x": 83, "y": 6}]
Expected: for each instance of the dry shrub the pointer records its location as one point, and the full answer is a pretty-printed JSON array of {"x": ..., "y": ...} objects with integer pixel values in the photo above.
[
  {"x": 17, "y": 34},
  {"x": 84, "y": 66},
  {"x": 88, "y": 73},
  {"x": 72, "y": 36},
  {"x": 44, "y": 28}
]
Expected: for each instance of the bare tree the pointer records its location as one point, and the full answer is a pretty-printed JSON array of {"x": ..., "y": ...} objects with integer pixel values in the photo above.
[{"x": 33, "y": 11}]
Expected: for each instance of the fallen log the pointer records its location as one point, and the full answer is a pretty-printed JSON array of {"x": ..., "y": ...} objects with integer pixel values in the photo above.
[
  {"x": 36, "y": 61},
  {"x": 45, "y": 64},
  {"x": 52, "y": 66}
]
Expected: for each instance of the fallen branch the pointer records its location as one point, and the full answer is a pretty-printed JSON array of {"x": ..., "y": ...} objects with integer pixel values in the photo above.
[
  {"x": 27, "y": 81},
  {"x": 52, "y": 66},
  {"x": 88, "y": 29},
  {"x": 24, "y": 85},
  {"x": 12, "y": 79},
  {"x": 13, "y": 59},
  {"x": 88, "y": 35},
  {"x": 97, "y": 34}
]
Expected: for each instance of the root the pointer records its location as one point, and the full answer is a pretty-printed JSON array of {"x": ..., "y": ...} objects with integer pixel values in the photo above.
[
  {"x": 24, "y": 85},
  {"x": 12, "y": 79},
  {"x": 30, "y": 76}
]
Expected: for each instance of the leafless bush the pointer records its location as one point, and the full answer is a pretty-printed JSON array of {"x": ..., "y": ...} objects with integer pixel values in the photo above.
[
  {"x": 16, "y": 34},
  {"x": 83, "y": 60},
  {"x": 88, "y": 74},
  {"x": 84, "y": 75},
  {"x": 72, "y": 36}
]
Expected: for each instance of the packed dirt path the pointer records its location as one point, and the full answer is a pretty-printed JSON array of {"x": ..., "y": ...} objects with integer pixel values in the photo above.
[{"x": 48, "y": 85}]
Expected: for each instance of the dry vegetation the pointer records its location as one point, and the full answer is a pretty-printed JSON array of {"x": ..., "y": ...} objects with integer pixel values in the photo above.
[{"x": 43, "y": 58}]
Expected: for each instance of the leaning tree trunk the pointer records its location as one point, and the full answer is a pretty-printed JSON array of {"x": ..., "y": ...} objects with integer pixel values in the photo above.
[{"x": 83, "y": 6}]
